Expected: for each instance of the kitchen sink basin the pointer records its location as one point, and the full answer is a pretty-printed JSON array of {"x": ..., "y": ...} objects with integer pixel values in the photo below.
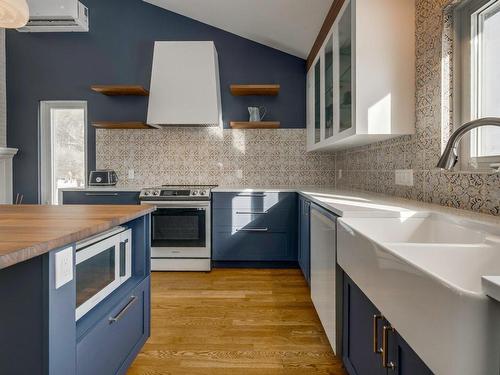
[
  {"x": 424, "y": 274},
  {"x": 423, "y": 228}
]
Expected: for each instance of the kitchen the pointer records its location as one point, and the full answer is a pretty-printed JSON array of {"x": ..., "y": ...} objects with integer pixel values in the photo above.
[{"x": 238, "y": 187}]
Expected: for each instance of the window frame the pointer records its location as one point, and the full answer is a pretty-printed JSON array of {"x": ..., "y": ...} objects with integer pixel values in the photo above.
[
  {"x": 45, "y": 144},
  {"x": 466, "y": 81}
]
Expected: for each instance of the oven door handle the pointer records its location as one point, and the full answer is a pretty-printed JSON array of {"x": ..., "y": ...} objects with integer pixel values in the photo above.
[
  {"x": 252, "y": 229},
  {"x": 173, "y": 204}
]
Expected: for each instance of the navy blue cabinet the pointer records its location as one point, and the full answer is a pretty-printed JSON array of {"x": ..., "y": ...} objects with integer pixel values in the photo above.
[
  {"x": 304, "y": 250},
  {"x": 100, "y": 197},
  {"x": 363, "y": 339},
  {"x": 116, "y": 339},
  {"x": 254, "y": 228}
]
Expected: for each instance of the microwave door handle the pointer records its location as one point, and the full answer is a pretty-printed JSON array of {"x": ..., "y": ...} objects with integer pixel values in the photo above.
[{"x": 123, "y": 258}]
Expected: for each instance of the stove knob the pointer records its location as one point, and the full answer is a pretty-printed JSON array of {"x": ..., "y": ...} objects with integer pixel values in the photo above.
[
  {"x": 147, "y": 193},
  {"x": 156, "y": 192},
  {"x": 203, "y": 192},
  {"x": 195, "y": 192}
]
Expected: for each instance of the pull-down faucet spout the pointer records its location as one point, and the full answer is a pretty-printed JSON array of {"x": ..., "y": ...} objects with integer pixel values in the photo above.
[{"x": 450, "y": 155}]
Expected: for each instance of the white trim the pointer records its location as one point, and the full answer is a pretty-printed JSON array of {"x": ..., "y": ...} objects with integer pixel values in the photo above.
[
  {"x": 6, "y": 156},
  {"x": 45, "y": 144},
  {"x": 467, "y": 19}
]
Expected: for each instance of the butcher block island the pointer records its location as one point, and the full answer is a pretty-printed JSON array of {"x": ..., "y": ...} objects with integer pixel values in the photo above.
[{"x": 75, "y": 286}]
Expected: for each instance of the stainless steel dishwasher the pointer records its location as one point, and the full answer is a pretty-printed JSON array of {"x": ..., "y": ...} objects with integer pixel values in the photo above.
[{"x": 323, "y": 269}]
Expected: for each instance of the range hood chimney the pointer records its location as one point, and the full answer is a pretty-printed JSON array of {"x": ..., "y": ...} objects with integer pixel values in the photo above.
[{"x": 185, "y": 85}]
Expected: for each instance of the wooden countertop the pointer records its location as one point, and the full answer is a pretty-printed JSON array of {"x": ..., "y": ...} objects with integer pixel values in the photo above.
[{"x": 27, "y": 231}]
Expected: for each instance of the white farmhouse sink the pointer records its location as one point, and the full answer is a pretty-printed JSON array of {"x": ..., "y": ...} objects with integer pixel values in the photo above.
[{"x": 424, "y": 275}]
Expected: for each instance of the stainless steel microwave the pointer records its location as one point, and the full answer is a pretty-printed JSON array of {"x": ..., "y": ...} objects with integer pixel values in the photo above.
[{"x": 103, "y": 263}]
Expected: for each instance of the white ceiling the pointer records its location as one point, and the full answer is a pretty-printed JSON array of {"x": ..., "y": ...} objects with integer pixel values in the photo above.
[{"x": 288, "y": 25}]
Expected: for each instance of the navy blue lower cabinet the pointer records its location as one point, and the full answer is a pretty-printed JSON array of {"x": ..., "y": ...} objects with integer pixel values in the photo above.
[
  {"x": 111, "y": 346},
  {"x": 101, "y": 197},
  {"x": 367, "y": 335},
  {"x": 406, "y": 361},
  {"x": 255, "y": 227},
  {"x": 362, "y": 332},
  {"x": 304, "y": 233}
]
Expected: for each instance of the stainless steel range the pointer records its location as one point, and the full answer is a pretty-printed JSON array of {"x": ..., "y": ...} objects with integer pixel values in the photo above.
[{"x": 180, "y": 227}]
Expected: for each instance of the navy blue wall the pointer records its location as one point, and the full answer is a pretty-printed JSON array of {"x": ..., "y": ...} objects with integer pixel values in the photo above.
[{"x": 119, "y": 50}]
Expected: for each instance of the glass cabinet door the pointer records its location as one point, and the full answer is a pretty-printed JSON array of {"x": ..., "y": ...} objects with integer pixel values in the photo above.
[
  {"x": 344, "y": 46},
  {"x": 329, "y": 89},
  {"x": 317, "y": 101}
]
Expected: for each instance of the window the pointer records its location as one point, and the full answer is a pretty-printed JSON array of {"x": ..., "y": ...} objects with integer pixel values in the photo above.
[
  {"x": 479, "y": 27},
  {"x": 63, "y": 147}
]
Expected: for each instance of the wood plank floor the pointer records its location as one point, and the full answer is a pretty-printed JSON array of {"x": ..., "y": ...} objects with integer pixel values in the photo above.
[{"x": 234, "y": 322}]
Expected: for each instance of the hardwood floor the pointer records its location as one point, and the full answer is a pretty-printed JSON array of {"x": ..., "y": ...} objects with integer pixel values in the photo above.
[{"x": 234, "y": 322}]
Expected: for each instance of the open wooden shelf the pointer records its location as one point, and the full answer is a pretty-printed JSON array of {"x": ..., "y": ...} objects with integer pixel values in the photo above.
[
  {"x": 121, "y": 125},
  {"x": 255, "y": 125},
  {"x": 120, "y": 90},
  {"x": 260, "y": 90}
]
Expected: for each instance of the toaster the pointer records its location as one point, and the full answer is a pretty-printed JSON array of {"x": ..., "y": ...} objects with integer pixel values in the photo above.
[{"x": 103, "y": 177}]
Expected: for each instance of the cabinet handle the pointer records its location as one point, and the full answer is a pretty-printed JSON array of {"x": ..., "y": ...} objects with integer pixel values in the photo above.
[
  {"x": 101, "y": 194},
  {"x": 123, "y": 311},
  {"x": 252, "y": 229},
  {"x": 376, "y": 348},
  {"x": 260, "y": 195},
  {"x": 251, "y": 212},
  {"x": 385, "y": 350}
]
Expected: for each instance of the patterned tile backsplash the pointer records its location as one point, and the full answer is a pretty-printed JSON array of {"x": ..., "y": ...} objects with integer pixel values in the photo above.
[
  {"x": 278, "y": 157},
  {"x": 372, "y": 168},
  {"x": 213, "y": 156}
]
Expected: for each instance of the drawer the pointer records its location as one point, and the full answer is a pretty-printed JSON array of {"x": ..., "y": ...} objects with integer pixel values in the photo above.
[
  {"x": 254, "y": 200},
  {"x": 232, "y": 245},
  {"x": 282, "y": 219},
  {"x": 106, "y": 347},
  {"x": 101, "y": 197}
]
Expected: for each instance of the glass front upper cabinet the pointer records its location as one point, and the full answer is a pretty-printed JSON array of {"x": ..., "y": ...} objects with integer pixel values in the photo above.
[
  {"x": 329, "y": 88},
  {"x": 345, "y": 70},
  {"x": 317, "y": 101}
]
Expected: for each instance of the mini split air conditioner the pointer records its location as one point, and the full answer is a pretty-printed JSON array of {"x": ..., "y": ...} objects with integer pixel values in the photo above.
[{"x": 57, "y": 16}]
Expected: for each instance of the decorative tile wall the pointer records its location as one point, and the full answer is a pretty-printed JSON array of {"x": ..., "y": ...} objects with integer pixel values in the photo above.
[
  {"x": 372, "y": 167},
  {"x": 213, "y": 156}
]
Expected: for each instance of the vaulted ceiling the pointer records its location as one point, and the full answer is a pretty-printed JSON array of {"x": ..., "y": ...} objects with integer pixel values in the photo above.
[{"x": 287, "y": 25}]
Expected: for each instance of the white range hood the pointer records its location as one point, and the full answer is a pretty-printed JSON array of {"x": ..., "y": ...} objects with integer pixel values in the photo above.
[{"x": 185, "y": 85}]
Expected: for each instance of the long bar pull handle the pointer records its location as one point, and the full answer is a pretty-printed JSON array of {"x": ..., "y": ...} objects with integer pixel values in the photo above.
[
  {"x": 251, "y": 212},
  {"x": 385, "y": 350},
  {"x": 252, "y": 229},
  {"x": 376, "y": 348},
  {"x": 101, "y": 194},
  {"x": 260, "y": 195},
  {"x": 123, "y": 311}
]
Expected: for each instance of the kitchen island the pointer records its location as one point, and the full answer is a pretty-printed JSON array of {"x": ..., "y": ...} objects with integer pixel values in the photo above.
[{"x": 39, "y": 287}]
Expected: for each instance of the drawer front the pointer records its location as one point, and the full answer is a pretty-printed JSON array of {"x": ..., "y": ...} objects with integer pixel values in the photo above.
[
  {"x": 280, "y": 220},
  {"x": 257, "y": 201},
  {"x": 106, "y": 347},
  {"x": 232, "y": 245},
  {"x": 101, "y": 197}
]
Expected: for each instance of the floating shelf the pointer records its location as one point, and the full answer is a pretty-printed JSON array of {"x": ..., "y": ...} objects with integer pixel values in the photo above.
[
  {"x": 255, "y": 125},
  {"x": 121, "y": 125},
  {"x": 260, "y": 90},
  {"x": 120, "y": 90}
]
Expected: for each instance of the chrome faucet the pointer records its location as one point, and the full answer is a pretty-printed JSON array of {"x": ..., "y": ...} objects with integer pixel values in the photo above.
[{"x": 450, "y": 155}]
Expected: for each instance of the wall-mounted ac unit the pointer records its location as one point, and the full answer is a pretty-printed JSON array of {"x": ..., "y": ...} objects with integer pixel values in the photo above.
[{"x": 51, "y": 16}]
